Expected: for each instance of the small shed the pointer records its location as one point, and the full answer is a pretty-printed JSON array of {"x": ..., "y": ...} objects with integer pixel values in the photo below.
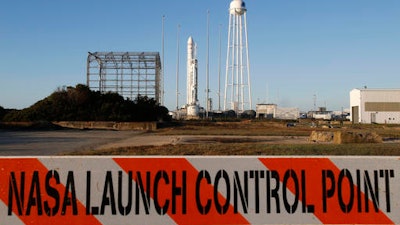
[
  {"x": 265, "y": 111},
  {"x": 272, "y": 111}
]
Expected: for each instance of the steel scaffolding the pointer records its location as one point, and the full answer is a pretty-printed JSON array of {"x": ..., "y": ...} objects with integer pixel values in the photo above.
[{"x": 127, "y": 73}]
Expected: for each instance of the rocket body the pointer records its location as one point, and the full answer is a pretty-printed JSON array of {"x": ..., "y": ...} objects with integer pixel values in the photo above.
[
  {"x": 192, "y": 76},
  {"x": 192, "y": 105}
]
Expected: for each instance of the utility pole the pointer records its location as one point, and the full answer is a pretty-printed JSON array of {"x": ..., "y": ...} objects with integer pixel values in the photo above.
[
  {"x": 177, "y": 67},
  {"x": 207, "y": 64},
  {"x": 163, "y": 63},
  {"x": 219, "y": 70}
]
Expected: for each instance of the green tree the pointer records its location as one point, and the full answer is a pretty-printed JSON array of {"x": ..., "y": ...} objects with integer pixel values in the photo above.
[
  {"x": 79, "y": 103},
  {"x": 2, "y": 112}
]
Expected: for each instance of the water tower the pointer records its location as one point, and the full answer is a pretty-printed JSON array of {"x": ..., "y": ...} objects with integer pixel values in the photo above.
[{"x": 237, "y": 94}]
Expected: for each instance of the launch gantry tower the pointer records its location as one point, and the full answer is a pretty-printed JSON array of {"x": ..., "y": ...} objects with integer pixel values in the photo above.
[{"x": 127, "y": 73}]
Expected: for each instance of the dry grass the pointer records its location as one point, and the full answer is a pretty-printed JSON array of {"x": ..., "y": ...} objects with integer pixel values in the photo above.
[
  {"x": 271, "y": 128},
  {"x": 392, "y": 149},
  {"x": 244, "y": 128},
  {"x": 242, "y": 146}
]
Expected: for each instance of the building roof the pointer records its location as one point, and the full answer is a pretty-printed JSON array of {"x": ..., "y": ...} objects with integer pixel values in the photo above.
[{"x": 377, "y": 89}]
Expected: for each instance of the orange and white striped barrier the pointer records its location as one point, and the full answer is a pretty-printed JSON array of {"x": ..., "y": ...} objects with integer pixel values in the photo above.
[{"x": 199, "y": 190}]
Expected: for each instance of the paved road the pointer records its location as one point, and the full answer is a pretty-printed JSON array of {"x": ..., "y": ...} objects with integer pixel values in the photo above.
[{"x": 29, "y": 143}]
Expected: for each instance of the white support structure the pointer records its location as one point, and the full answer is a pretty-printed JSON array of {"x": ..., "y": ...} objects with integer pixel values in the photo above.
[{"x": 237, "y": 94}]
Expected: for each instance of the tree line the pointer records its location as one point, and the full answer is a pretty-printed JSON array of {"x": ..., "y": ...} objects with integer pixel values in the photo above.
[{"x": 79, "y": 103}]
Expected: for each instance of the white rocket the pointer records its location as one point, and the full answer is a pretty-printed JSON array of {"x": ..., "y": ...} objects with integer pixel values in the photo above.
[{"x": 192, "y": 84}]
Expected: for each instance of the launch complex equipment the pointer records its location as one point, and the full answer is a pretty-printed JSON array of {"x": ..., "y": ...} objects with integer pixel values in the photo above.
[{"x": 127, "y": 73}]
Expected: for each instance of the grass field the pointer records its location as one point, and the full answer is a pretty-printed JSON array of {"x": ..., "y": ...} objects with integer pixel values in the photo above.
[
  {"x": 256, "y": 128},
  {"x": 392, "y": 149}
]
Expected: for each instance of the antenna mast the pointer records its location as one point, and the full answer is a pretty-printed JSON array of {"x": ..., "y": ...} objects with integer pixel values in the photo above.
[
  {"x": 207, "y": 65},
  {"x": 177, "y": 67}
]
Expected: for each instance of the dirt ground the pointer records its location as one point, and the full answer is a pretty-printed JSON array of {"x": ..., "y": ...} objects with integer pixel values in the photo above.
[
  {"x": 27, "y": 143},
  {"x": 158, "y": 140},
  {"x": 66, "y": 141},
  {"x": 53, "y": 142}
]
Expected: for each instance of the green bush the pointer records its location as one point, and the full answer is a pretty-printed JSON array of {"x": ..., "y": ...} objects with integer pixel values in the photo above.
[
  {"x": 81, "y": 104},
  {"x": 2, "y": 112}
]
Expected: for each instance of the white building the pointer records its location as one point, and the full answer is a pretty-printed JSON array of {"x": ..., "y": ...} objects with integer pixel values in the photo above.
[
  {"x": 375, "y": 106},
  {"x": 265, "y": 111},
  {"x": 272, "y": 111},
  {"x": 287, "y": 113}
]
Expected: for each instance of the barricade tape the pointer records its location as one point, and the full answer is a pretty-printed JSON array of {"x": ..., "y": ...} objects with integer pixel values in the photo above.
[{"x": 199, "y": 190}]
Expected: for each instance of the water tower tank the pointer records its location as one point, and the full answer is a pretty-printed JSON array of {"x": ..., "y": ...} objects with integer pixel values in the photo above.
[{"x": 237, "y": 7}]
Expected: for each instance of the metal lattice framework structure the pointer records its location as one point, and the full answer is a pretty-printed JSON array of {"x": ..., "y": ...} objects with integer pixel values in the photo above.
[{"x": 127, "y": 73}]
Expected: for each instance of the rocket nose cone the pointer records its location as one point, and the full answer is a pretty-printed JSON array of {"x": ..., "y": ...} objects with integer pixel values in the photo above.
[{"x": 190, "y": 40}]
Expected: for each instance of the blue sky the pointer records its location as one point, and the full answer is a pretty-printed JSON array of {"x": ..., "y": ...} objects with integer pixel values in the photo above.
[{"x": 298, "y": 48}]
